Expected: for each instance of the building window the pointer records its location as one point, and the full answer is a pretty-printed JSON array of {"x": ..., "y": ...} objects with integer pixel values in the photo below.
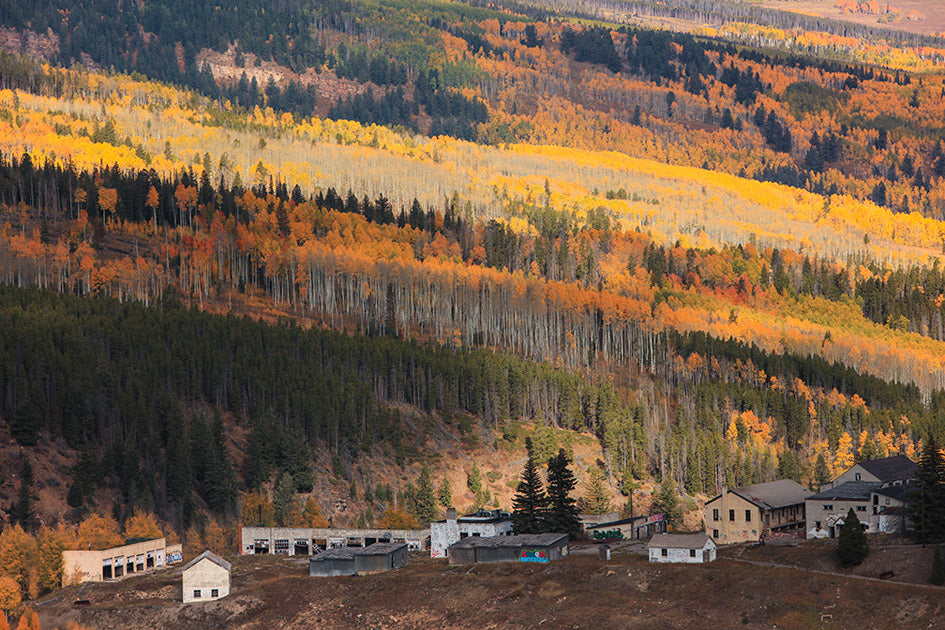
[
  {"x": 816, "y": 524},
  {"x": 747, "y": 516},
  {"x": 828, "y": 507},
  {"x": 857, "y": 476},
  {"x": 715, "y": 514},
  {"x": 197, "y": 593},
  {"x": 663, "y": 552},
  {"x": 692, "y": 553},
  {"x": 861, "y": 508},
  {"x": 731, "y": 515},
  {"x": 715, "y": 533},
  {"x": 215, "y": 592}
]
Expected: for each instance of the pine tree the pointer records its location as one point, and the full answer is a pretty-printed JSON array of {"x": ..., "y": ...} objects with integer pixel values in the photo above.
[
  {"x": 937, "y": 575},
  {"x": 283, "y": 498},
  {"x": 425, "y": 497},
  {"x": 666, "y": 502},
  {"x": 926, "y": 504},
  {"x": 22, "y": 510},
  {"x": 530, "y": 502},
  {"x": 562, "y": 509},
  {"x": 596, "y": 500},
  {"x": 821, "y": 472},
  {"x": 445, "y": 493},
  {"x": 852, "y": 545}
]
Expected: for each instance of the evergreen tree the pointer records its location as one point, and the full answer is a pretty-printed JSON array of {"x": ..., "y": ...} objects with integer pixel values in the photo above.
[
  {"x": 852, "y": 545},
  {"x": 425, "y": 497},
  {"x": 445, "y": 493},
  {"x": 283, "y": 498},
  {"x": 597, "y": 499},
  {"x": 530, "y": 503},
  {"x": 926, "y": 504},
  {"x": 937, "y": 575},
  {"x": 21, "y": 511},
  {"x": 562, "y": 508},
  {"x": 666, "y": 502},
  {"x": 821, "y": 472},
  {"x": 474, "y": 479}
]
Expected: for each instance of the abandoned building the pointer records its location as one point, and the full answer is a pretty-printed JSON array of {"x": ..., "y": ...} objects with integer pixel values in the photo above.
[
  {"x": 879, "y": 509},
  {"x": 307, "y": 541},
  {"x": 516, "y": 548},
  {"x": 636, "y": 528},
  {"x": 375, "y": 558},
  {"x": 886, "y": 471},
  {"x": 482, "y": 524},
  {"x": 206, "y": 578},
  {"x": 682, "y": 548},
  {"x": 750, "y": 513},
  {"x": 135, "y": 556}
]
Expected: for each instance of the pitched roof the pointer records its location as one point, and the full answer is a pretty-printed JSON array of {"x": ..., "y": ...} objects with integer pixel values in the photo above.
[
  {"x": 774, "y": 494},
  {"x": 212, "y": 557},
  {"x": 848, "y": 491},
  {"x": 890, "y": 468},
  {"x": 679, "y": 541},
  {"x": 518, "y": 540},
  {"x": 897, "y": 492},
  {"x": 625, "y": 521},
  {"x": 339, "y": 553}
]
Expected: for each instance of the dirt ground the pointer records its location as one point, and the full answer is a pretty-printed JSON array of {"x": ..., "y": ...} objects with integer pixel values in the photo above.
[
  {"x": 932, "y": 10},
  {"x": 577, "y": 592}
]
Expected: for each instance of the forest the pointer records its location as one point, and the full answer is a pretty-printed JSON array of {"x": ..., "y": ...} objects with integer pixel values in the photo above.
[{"x": 247, "y": 252}]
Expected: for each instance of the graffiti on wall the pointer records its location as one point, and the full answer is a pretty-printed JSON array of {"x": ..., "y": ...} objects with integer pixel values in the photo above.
[{"x": 533, "y": 555}]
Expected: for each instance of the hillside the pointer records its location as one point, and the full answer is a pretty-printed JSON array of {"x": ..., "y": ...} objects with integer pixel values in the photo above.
[{"x": 578, "y": 592}]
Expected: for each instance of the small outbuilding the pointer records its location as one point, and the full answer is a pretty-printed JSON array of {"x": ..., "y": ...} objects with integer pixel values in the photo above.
[
  {"x": 206, "y": 578},
  {"x": 685, "y": 548},
  {"x": 519, "y": 548},
  {"x": 374, "y": 558}
]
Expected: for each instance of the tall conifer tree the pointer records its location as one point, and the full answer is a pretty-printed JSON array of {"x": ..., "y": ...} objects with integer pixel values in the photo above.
[{"x": 530, "y": 503}]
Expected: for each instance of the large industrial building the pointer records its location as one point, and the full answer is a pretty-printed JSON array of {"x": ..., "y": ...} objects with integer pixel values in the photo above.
[
  {"x": 307, "y": 541},
  {"x": 481, "y": 524},
  {"x": 137, "y": 556}
]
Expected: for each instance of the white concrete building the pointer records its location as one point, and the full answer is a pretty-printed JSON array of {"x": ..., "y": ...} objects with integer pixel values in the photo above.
[
  {"x": 682, "y": 548},
  {"x": 88, "y": 565},
  {"x": 484, "y": 524},
  {"x": 307, "y": 541},
  {"x": 206, "y": 578}
]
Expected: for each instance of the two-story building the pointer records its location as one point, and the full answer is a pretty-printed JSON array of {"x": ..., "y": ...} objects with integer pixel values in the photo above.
[
  {"x": 887, "y": 471},
  {"x": 481, "y": 524},
  {"x": 751, "y": 513}
]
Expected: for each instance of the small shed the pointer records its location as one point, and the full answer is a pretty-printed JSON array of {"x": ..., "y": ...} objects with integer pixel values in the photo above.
[
  {"x": 332, "y": 563},
  {"x": 206, "y": 578},
  {"x": 520, "y": 548},
  {"x": 380, "y": 557},
  {"x": 685, "y": 548}
]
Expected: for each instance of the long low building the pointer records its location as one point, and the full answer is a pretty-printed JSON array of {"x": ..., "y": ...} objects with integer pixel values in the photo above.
[
  {"x": 519, "y": 548},
  {"x": 307, "y": 541},
  {"x": 98, "y": 565},
  {"x": 375, "y": 558},
  {"x": 452, "y": 529},
  {"x": 636, "y": 528}
]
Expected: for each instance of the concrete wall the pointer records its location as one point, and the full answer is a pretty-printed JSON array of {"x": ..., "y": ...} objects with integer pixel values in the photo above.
[
  {"x": 87, "y": 565},
  {"x": 640, "y": 529},
  {"x": 706, "y": 554},
  {"x": 205, "y": 576},
  {"x": 850, "y": 475},
  {"x": 415, "y": 538},
  {"x": 444, "y": 534},
  {"x": 737, "y": 530}
]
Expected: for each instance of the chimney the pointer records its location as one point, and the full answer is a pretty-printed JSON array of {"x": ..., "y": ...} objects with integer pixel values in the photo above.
[{"x": 451, "y": 514}]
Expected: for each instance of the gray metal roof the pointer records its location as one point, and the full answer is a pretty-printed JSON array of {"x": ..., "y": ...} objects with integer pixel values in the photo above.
[
  {"x": 212, "y": 557},
  {"x": 678, "y": 541},
  {"x": 379, "y": 549},
  {"x": 342, "y": 553},
  {"x": 890, "y": 468},
  {"x": 519, "y": 540},
  {"x": 774, "y": 494},
  {"x": 848, "y": 491},
  {"x": 899, "y": 492}
]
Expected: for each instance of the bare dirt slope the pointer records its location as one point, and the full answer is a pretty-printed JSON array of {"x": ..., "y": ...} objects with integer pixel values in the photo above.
[{"x": 578, "y": 592}]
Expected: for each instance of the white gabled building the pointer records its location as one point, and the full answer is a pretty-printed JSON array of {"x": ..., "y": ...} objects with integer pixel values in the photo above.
[
  {"x": 684, "y": 548},
  {"x": 206, "y": 578},
  {"x": 484, "y": 524}
]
